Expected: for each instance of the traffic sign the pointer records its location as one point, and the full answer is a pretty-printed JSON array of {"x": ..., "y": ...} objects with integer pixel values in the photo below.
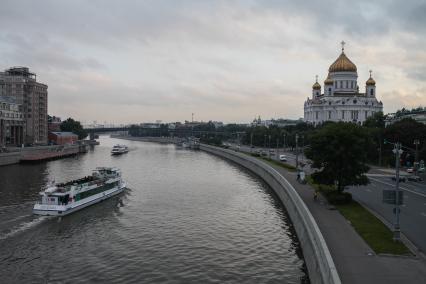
[{"x": 389, "y": 196}]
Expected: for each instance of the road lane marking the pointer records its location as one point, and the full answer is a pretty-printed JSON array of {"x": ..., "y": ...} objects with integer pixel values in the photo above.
[{"x": 404, "y": 188}]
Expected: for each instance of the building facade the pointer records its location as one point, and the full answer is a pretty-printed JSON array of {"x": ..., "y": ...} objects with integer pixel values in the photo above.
[
  {"x": 12, "y": 122},
  {"x": 20, "y": 83},
  {"x": 62, "y": 138},
  {"x": 341, "y": 99}
]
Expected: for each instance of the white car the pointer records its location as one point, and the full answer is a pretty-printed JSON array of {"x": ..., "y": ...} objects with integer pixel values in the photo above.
[{"x": 283, "y": 158}]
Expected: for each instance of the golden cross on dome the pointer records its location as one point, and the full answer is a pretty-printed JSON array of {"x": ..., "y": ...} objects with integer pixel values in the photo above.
[
  {"x": 371, "y": 71},
  {"x": 343, "y": 45},
  {"x": 316, "y": 78}
]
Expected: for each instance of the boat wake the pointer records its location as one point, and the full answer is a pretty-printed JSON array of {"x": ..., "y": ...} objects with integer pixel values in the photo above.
[{"x": 24, "y": 227}]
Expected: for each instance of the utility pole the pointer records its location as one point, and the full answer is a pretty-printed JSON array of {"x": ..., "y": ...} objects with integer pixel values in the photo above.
[
  {"x": 297, "y": 152},
  {"x": 416, "y": 157},
  {"x": 397, "y": 231}
]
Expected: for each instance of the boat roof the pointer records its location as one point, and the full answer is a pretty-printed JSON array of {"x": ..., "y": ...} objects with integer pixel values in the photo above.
[{"x": 113, "y": 169}]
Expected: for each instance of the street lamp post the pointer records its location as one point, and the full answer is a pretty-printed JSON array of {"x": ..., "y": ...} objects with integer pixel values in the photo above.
[
  {"x": 284, "y": 144},
  {"x": 269, "y": 146},
  {"x": 297, "y": 152},
  {"x": 276, "y": 151},
  {"x": 416, "y": 157},
  {"x": 397, "y": 231}
]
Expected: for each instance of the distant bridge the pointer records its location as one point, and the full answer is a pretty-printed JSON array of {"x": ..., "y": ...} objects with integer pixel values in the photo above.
[{"x": 178, "y": 132}]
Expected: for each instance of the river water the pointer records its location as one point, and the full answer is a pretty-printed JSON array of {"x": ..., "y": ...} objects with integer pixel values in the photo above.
[{"x": 187, "y": 217}]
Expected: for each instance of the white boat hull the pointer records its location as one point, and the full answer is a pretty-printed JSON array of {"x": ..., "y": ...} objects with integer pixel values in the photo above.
[{"x": 62, "y": 210}]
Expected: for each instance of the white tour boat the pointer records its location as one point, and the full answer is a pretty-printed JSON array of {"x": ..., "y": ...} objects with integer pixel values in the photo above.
[
  {"x": 119, "y": 149},
  {"x": 64, "y": 198}
]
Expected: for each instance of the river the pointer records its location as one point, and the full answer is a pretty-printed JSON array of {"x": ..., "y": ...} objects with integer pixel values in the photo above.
[{"x": 187, "y": 217}]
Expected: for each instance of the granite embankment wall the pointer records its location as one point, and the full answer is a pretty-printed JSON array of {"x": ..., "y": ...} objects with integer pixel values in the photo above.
[
  {"x": 9, "y": 158},
  {"x": 321, "y": 268}
]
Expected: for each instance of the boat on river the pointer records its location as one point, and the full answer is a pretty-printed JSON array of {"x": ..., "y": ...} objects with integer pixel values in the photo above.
[
  {"x": 64, "y": 198},
  {"x": 119, "y": 149}
]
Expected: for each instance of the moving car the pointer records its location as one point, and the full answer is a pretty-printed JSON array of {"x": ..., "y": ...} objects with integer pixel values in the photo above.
[
  {"x": 414, "y": 178},
  {"x": 410, "y": 170},
  {"x": 283, "y": 158},
  {"x": 401, "y": 178}
]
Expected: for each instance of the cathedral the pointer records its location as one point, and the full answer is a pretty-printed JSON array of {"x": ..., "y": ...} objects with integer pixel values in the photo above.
[{"x": 342, "y": 99}]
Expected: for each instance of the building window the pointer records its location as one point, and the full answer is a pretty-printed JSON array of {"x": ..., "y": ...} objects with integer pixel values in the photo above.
[
  {"x": 341, "y": 84},
  {"x": 329, "y": 91},
  {"x": 346, "y": 84},
  {"x": 366, "y": 114},
  {"x": 343, "y": 114},
  {"x": 329, "y": 115},
  {"x": 316, "y": 115},
  {"x": 371, "y": 92}
]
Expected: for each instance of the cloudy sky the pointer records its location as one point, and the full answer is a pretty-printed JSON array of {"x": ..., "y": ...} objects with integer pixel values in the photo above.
[{"x": 134, "y": 61}]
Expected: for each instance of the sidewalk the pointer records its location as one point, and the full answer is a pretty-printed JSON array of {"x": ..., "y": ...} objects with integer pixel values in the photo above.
[{"x": 356, "y": 262}]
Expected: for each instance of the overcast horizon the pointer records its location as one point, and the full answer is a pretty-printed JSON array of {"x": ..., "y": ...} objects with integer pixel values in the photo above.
[{"x": 231, "y": 61}]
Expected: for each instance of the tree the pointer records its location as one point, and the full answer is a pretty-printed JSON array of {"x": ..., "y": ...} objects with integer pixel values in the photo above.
[
  {"x": 74, "y": 126},
  {"x": 375, "y": 127},
  {"x": 338, "y": 152},
  {"x": 406, "y": 131}
]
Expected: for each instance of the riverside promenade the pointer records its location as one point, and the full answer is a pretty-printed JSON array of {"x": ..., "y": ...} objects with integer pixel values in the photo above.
[{"x": 355, "y": 261}]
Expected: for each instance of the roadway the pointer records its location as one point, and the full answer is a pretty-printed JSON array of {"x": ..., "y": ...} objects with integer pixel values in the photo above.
[{"x": 413, "y": 211}]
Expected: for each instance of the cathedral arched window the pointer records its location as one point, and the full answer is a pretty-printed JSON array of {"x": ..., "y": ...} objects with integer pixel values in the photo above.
[
  {"x": 329, "y": 91},
  {"x": 371, "y": 92}
]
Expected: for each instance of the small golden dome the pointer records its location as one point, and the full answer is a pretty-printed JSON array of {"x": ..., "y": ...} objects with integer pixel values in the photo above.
[
  {"x": 342, "y": 64},
  {"x": 370, "y": 81},
  {"x": 316, "y": 86},
  {"x": 328, "y": 81}
]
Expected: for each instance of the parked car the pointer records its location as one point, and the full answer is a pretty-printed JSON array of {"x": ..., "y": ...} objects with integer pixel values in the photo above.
[
  {"x": 410, "y": 170},
  {"x": 271, "y": 151},
  {"x": 421, "y": 170},
  {"x": 263, "y": 153},
  {"x": 401, "y": 178},
  {"x": 283, "y": 158},
  {"x": 414, "y": 178}
]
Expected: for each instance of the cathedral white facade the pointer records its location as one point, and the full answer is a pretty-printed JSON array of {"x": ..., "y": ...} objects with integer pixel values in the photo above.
[{"x": 342, "y": 99}]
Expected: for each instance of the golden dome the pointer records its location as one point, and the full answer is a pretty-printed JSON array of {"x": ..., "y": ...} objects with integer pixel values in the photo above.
[
  {"x": 342, "y": 64},
  {"x": 370, "y": 81},
  {"x": 316, "y": 86},
  {"x": 328, "y": 81}
]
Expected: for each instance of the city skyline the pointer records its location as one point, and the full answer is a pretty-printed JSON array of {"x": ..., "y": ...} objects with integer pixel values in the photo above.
[{"x": 162, "y": 60}]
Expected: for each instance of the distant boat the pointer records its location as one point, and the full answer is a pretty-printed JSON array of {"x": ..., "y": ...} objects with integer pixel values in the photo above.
[
  {"x": 64, "y": 198},
  {"x": 119, "y": 149}
]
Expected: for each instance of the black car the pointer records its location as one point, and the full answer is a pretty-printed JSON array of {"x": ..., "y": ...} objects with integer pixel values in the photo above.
[
  {"x": 401, "y": 178},
  {"x": 414, "y": 178}
]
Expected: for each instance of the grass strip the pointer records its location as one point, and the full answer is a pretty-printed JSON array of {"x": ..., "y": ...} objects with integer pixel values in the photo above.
[{"x": 376, "y": 234}]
